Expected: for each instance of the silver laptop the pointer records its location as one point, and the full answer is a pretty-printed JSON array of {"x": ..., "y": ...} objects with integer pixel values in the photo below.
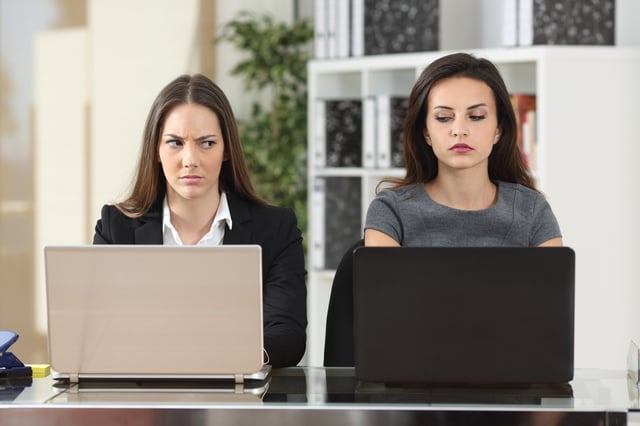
[
  {"x": 171, "y": 391},
  {"x": 155, "y": 312}
]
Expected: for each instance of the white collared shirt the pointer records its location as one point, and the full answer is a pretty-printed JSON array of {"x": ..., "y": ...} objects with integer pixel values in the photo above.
[{"x": 215, "y": 235}]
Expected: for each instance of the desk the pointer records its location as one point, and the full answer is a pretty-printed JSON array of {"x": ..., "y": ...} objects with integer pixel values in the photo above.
[{"x": 318, "y": 396}]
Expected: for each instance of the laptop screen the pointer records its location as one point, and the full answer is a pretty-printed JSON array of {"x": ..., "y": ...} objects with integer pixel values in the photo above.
[
  {"x": 154, "y": 311},
  {"x": 464, "y": 315}
]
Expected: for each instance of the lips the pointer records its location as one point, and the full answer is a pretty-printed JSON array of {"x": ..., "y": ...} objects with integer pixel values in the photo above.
[
  {"x": 190, "y": 179},
  {"x": 461, "y": 147}
]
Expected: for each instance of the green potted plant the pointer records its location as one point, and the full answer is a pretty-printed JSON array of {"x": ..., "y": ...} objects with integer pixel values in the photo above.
[{"x": 274, "y": 136}]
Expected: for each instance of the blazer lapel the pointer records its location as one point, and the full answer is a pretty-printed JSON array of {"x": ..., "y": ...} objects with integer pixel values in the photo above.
[
  {"x": 149, "y": 233},
  {"x": 241, "y": 232},
  {"x": 150, "y": 229}
]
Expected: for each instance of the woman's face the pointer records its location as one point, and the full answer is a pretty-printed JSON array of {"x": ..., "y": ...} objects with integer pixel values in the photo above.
[
  {"x": 461, "y": 123},
  {"x": 191, "y": 152}
]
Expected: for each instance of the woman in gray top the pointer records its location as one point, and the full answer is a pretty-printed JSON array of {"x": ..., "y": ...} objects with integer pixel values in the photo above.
[{"x": 466, "y": 183}]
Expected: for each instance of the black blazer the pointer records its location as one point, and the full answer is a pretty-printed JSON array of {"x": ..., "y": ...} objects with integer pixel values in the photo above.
[{"x": 275, "y": 230}]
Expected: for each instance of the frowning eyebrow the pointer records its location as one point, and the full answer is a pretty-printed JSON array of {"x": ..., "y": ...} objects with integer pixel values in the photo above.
[
  {"x": 470, "y": 107},
  {"x": 171, "y": 135}
]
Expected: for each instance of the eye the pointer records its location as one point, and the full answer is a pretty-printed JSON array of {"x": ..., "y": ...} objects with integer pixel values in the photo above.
[
  {"x": 476, "y": 117},
  {"x": 208, "y": 144},
  {"x": 442, "y": 119},
  {"x": 174, "y": 143}
]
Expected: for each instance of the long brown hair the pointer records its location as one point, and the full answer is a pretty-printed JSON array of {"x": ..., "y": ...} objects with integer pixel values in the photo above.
[
  {"x": 150, "y": 183},
  {"x": 505, "y": 161}
]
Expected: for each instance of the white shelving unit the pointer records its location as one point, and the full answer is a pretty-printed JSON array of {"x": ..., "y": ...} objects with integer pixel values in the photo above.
[{"x": 588, "y": 148}]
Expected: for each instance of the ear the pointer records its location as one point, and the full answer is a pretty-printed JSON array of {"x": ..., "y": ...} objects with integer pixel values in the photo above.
[
  {"x": 427, "y": 139},
  {"x": 498, "y": 135}
]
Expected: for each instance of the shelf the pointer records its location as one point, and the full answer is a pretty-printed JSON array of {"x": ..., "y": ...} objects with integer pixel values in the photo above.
[{"x": 586, "y": 159}]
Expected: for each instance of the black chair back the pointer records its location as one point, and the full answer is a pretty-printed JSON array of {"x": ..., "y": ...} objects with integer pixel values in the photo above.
[{"x": 338, "y": 343}]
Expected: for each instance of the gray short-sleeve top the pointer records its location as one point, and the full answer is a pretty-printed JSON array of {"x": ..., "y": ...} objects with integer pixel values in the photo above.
[{"x": 520, "y": 217}]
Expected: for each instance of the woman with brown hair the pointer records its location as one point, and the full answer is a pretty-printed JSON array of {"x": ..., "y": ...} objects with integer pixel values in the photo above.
[
  {"x": 466, "y": 183},
  {"x": 192, "y": 186}
]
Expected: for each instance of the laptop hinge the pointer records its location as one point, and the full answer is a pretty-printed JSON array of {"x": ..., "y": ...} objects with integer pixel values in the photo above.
[
  {"x": 239, "y": 378},
  {"x": 73, "y": 378}
]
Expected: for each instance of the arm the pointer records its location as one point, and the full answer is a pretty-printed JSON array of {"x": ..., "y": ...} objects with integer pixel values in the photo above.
[
  {"x": 554, "y": 242},
  {"x": 284, "y": 293},
  {"x": 383, "y": 226},
  {"x": 373, "y": 237},
  {"x": 546, "y": 230},
  {"x": 101, "y": 231}
]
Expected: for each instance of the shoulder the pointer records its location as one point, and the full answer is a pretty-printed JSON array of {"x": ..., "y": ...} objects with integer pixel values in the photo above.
[
  {"x": 397, "y": 195},
  {"x": 398, "y": 200},
  {"x": 113, "y": 222},
  {"x": 110, "y": 215},
  {"x": 245, "y": 210},
  {"x": 395, "y": 204},
  {"x": 524, "y": 199},
  {"x": 112, "y": 226},
  {"x": 274, "y": 228},
  {"x": 519, "y": 189},
  {"x": 275, "y": 214},
  {"x": 115, "y": 227}
]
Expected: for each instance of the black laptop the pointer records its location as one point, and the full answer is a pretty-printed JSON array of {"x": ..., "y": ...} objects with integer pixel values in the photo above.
[{"x": 464, "y": 316}]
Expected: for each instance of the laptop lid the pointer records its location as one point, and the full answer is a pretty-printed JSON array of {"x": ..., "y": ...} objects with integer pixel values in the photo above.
[
  {"x": 464, "y": 315},
  {"x": 143, "y": 311}
]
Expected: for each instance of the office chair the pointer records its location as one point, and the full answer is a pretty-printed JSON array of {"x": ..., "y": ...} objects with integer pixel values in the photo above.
[{"x": 338, "y": 342}]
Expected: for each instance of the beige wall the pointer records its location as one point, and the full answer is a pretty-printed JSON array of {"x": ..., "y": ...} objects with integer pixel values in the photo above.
[
  {"x": 136, "y": 48},
  {"x": 60, "y": 148},
  {"x": 94, "y": 86}
]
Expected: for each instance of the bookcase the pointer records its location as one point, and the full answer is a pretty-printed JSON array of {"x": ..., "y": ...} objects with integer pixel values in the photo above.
[{"x": 587, "y": 146}]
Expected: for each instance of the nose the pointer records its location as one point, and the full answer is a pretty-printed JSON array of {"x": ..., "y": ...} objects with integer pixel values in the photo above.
[
  {"x": 459, "y": 132},
  {"x": 190, "y": 156}
]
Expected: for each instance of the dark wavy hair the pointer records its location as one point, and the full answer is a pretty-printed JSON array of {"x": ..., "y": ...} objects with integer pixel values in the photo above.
[
  {"x": 150, "y": 183},
  {"x": 505, "y": 161}
]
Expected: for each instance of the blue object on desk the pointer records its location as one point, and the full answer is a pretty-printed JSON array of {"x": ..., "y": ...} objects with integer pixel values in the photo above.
[
  {"x": 10, "y": 365},
  {"x": 7, "y": 338}
]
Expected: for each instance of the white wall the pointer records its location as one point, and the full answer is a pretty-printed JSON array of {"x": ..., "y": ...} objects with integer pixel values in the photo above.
[
  {"x": 592, "y": 186},
  {"x": 228, "y": 56}
]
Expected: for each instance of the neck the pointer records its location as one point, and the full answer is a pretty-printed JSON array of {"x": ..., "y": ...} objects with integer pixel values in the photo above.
[
  {"x": 463, "y": 192},
  {"x": 192, "y": 218}
]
